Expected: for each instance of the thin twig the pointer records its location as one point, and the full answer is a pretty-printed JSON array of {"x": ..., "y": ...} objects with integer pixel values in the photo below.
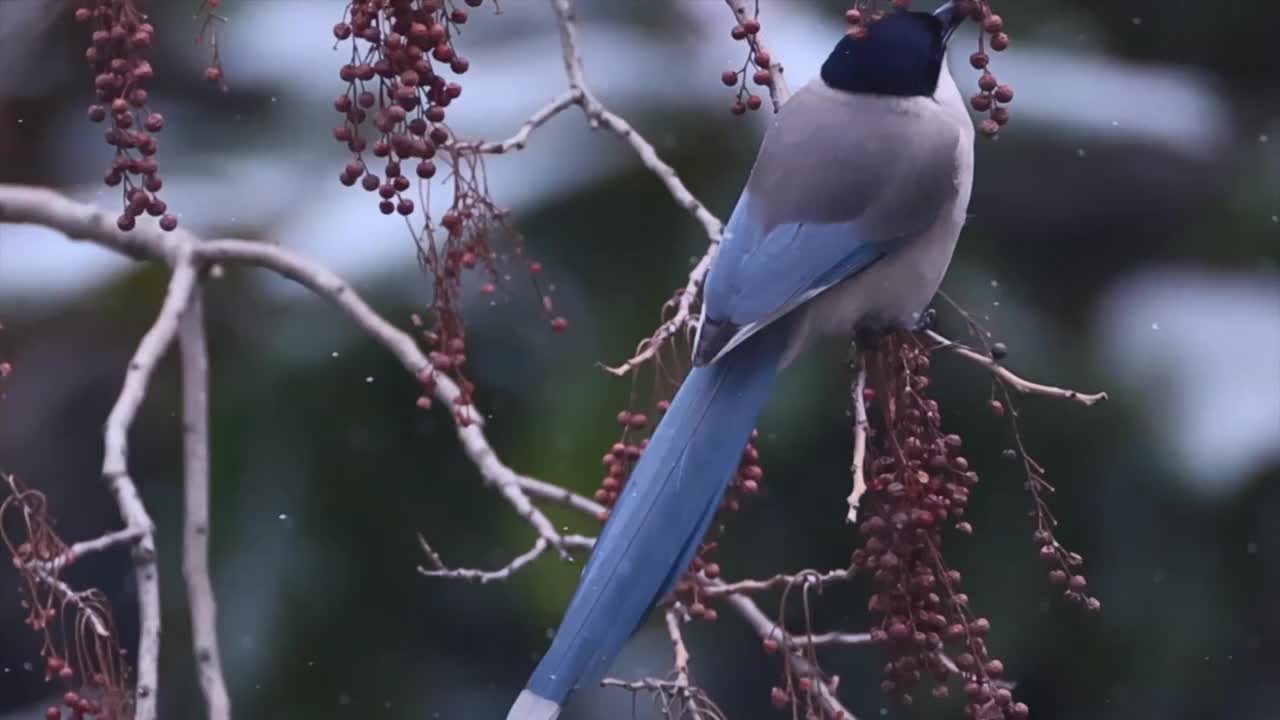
[
  {"x": 687, "y": 297},
  {"x": 677, "y": 696},
  {"x": 125, "y": 536},
  {"x": 860, "y": 425},
  {"x": 195, "y": 534},
  {"x": 744, "y": 587},
  {"x": 438, "y": 569},
  {"x": 800, "y": 664},
  {"x": 539, "y": 118},
  {"x": 600, "y": 116},
  {"x": 1026, "y": 387}
]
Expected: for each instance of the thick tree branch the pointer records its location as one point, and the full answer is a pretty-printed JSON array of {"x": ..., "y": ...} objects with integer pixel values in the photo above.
[
  {"x": 116, "y": 471},
  {"x": 186, "y": 254}
]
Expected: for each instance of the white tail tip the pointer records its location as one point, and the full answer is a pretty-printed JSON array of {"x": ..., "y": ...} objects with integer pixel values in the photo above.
[{"x": 531, "y": 706}]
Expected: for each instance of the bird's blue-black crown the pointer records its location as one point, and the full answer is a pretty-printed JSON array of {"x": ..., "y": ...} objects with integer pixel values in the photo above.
[{"x": 900, "y": 55}]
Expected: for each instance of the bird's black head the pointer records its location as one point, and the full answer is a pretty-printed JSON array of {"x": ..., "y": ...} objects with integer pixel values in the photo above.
[{"x": 901, "y": 54}]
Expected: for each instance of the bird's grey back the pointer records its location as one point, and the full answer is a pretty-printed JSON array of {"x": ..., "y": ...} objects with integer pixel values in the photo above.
[{"x": 833, "y": 156}]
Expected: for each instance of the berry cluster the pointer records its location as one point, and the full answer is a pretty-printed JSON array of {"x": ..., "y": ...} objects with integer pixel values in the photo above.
[
  {"x": 746, "y": 482},
  {"x": 209, "y": 19},
  {"x": 919, "y": 482},
  {"x": 758, "y": 59},
  {"x": 80, "y": 639},
  {"x": 393, "y": 112},
  {"x": 992, "y": 96},
  {"x": 121, "y": 36},
  {"x": 393, "y": 75}
]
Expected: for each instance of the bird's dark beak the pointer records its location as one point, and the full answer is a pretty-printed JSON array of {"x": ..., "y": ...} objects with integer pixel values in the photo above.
[{"x": 951, "y": 16}]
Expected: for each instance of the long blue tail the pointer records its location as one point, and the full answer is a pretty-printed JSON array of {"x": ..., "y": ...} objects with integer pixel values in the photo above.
[{"x": 658, "y": 522}]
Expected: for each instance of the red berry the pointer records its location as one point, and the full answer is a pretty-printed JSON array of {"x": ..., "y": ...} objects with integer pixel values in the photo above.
[
  {"x": 999, "y": 42},
  {"x": 168, "y": 223},
  {"x": 1004, "y": 93},
  {"x": 559, "y": 324},
  {"x": 979, "y": 60},
  {"x": 754, "y": 102},
  {"x": 728, "y": 77},
  {"x": 751, "y": 27}
]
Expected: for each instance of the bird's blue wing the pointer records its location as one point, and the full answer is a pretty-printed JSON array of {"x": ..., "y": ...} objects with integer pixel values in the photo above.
[{"x": 761, "y": 274}]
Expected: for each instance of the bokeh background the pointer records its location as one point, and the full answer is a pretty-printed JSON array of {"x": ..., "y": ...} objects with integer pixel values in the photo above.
[{"x": 1125, "y": 236}]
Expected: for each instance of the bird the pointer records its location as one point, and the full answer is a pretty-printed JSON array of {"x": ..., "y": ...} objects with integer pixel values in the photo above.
[{"x": 848, "y": 221}]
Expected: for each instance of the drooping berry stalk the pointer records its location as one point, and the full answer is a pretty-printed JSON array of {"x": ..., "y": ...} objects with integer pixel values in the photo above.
[
  {"x": 394, "y": 107},
  {"x": 120, "y": 38},
  {"x": 919, "y": 483},
  {"x": 992, "y": 96},
  {"x": 81, "y": 644}
]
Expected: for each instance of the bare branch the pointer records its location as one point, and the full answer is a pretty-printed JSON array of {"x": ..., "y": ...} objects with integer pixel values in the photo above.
[
  {"x": 744, "y": 587},
  {"x": 195, "y": 534},
  {"x": 678, "y": 648},
  {"x": 115, "y": 469},
  {"x": 599, "y": 116},
  {"x": 185, "y": 253},
  {"x": 858, "y": 466},
  {"x": 1026, "y": 387},
  {"x": 107, "y": 541},
  {"x": 518, "y": 141},
  {"x": 677, "y": 696},
  {"x": 555, "y": 493},
  {"x": 438, "y": 569},
  {"x": 800, "y": 663}
]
